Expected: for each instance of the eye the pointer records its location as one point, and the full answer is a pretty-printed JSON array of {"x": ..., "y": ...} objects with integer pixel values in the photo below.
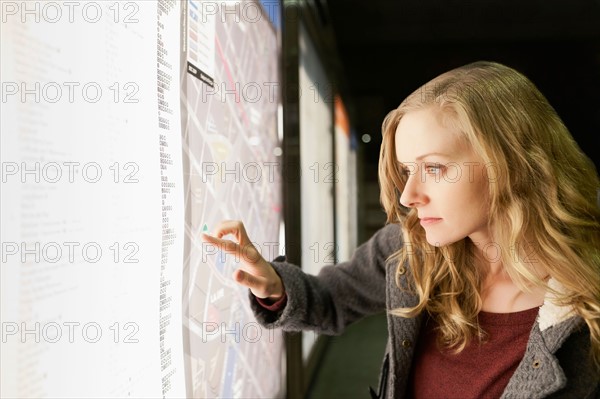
[
  {"x": 434, "y": 168},
  {"x": 403, "y": 170}
]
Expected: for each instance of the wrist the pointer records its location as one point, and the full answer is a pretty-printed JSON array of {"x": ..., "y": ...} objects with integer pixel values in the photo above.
[{"x": 277, "y": 291}]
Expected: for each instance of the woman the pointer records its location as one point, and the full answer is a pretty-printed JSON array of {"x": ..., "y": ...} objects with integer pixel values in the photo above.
[{"x": 489, "y": 265}]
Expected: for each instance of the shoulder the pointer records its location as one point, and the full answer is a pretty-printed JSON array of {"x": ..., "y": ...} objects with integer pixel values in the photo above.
[
  {"x": 389, "y": 237},
  {"x": 576, "y": 363},
  {"x": 565, "y": 335}
]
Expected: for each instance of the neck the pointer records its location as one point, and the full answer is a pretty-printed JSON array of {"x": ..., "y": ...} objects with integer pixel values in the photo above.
[
  {"x": 499, "y": 293},
  {"x": 490, "y": 265}
]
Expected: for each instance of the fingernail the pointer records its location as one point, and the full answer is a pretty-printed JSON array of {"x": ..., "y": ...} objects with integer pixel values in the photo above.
[{"x": 240, "y": 276}]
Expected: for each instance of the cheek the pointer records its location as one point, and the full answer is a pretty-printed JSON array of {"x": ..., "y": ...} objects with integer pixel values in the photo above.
[
  {"x": 479, "y": 208},
  {"x": 463, "y": 197},
  {"x": 477, "y": 185}
]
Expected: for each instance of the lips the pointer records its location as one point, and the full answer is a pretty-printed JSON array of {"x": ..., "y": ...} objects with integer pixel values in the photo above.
[{"x": 429, "y": 221}]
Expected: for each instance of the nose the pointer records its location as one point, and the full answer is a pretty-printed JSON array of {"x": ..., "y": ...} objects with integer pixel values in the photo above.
[{"x": 413, "y": 194}]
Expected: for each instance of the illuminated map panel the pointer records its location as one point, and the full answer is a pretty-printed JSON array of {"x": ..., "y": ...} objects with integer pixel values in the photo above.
[
  {"x": 318, "y": 167},
  {"x": 345, "y": 188},
  {"x": 91, "y": 200},
  {"x": 231, "y": 144},
  {"x": 117, "y": 150}
]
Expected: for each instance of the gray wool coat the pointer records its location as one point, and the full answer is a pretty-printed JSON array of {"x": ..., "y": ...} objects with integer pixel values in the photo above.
[{"x": 556, "y": 363}]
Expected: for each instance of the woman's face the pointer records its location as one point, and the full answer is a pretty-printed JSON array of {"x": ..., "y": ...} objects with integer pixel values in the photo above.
[{"x": 447, "y": 182}]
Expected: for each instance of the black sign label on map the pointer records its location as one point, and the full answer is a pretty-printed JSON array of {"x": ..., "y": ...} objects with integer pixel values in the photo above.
[{"x": 199, "y": 74}]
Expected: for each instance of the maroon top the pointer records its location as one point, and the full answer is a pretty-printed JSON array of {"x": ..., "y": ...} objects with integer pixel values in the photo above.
[{"x": 480, "y": 370}]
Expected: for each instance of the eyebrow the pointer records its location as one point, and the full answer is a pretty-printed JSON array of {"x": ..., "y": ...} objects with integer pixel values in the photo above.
[
  {"x": 431, "y": 153},
  {"x": 420, "y": 157}
]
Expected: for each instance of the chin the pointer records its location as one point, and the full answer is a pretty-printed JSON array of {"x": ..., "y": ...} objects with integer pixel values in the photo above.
[
  {"x": 440, "y": 241},
  {"x": 436, "y": 243}
]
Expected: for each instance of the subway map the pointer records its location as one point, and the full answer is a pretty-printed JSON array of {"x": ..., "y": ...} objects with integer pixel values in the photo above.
[{"x": 230, "y": 105}]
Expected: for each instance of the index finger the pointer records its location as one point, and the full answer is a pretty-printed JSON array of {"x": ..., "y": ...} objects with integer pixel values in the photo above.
[{"x": 235, "y": 228}]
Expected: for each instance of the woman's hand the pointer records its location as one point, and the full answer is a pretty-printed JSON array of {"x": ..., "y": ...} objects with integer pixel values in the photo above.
[{"x": 255, "y": 272}]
